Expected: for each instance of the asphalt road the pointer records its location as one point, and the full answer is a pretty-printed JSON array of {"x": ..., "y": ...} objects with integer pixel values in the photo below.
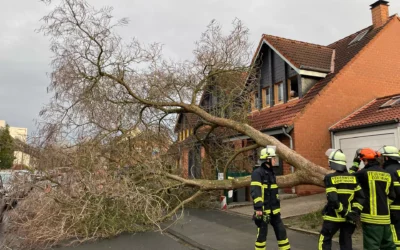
[{"x": 141, "y": 241}]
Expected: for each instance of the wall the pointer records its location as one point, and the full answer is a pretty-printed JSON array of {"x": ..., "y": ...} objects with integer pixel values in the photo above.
[
  {"x": 307, "y": 83},
  {"x": 185, "y": 162},
  {"x": 286, "y": 166},
  {"x": 374, "y": 72},
  {"x": 279, "y": 68},
  {"x": 276, "y": 75}
]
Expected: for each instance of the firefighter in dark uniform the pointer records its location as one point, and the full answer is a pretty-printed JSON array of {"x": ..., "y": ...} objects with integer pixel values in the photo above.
[
  {"x": 264, "y": 192},
  {"x": 378, "y": 189},
  {"x": 345, "y": 203},
  {"x": 391, "y": 158},
  {"x": 356, "y": 162}
]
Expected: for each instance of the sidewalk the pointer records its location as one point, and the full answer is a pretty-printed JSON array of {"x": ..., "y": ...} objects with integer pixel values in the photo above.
[
  {"x": 215, "y": 230},
  {"x": 291, "y": 207}
]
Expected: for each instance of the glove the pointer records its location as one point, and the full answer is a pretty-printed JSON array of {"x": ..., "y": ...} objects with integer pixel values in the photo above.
[
  {"x": 259, "y": 219},
  {"x": 356, "y": 162},
  {"x": 266, "y": 218},
  {"x": 351, "y": 217}
]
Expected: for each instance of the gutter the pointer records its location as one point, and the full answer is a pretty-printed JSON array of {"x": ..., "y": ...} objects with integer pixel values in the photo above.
[
  {"x": 285, "y": 132},
  {"x": 367, "y": 125}
]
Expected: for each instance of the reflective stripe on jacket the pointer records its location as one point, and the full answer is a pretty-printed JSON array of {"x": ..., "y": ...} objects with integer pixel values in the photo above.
[
  {"x": 393, "y": 168},
  {"x": 379, "y": 193},
  {"x": 264, "y": 190},
  {"x": 344, "y": 194}
]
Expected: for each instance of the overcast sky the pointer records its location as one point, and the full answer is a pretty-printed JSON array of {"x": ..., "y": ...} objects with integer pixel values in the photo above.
[{"x": 25, "y": 55}]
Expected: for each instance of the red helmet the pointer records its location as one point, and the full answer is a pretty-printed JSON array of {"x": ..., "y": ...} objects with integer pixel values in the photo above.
[{"x": 368, "y": 154}]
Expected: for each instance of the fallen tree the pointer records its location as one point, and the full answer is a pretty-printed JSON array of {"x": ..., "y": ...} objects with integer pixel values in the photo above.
[
  {"x": 114, "y": 106},
  {"x": 103, "y": 86}
]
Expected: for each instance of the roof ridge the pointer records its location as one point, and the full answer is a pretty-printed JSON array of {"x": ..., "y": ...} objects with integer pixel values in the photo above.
[
  {"x": 358, "y": 32},
  {"x": 362, "y": 108},
  {"x": 388, "y": 96},
  {"x": 297, "y": 41}
]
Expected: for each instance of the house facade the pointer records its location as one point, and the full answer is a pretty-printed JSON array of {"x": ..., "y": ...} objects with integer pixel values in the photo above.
[{"x": 304, "y": 89}]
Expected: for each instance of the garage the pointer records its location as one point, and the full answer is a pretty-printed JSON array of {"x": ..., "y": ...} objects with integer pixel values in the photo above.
[
  {"x": 375, "y": 138},
  {"x": 374, "y": 125}
]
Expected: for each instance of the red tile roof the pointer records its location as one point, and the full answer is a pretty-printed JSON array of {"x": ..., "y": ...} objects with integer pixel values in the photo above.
[
  {"x": 371, "y": 114},
  {"x": 267, "y": 118},
  {"x": 298, "y": 53},
  {"x": 303, "y": 55},
  {"x": 284, "y": 114}
]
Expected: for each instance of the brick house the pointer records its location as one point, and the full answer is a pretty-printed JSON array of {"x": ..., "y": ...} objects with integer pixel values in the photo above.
[{"x": 305, "y": 88}]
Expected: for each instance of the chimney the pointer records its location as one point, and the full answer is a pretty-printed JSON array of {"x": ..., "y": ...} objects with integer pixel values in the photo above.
[{"x": 380, "y": 13}]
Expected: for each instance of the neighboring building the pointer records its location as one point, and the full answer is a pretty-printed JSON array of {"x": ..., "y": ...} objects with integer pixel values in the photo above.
[
  {"x": 305, "y": 88},
  {"x": 374, "y": 125},
  {"x": 21, "y": 134}
]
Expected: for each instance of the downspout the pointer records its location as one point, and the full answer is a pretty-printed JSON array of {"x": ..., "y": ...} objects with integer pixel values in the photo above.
[{"x": 291, "y": 147}]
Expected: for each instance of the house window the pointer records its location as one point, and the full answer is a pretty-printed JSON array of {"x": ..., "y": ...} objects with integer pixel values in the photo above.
[
  {"x": 393, "y": 101},
  {"x": 359, "y": 37},
  {"x": 266, "y": 97},
  {"x": 278, "y": 93},
  {"x": 293, "y": 88},
  {"x": 254, "y": 101}
]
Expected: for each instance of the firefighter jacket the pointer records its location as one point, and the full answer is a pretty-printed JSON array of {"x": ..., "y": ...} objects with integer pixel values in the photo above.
[
  {"x": 393, "y": 167},
  {"x": 344, "y": 194},
  {"x": 264, "y": 190},
  {"x": 379, "y": 193}
]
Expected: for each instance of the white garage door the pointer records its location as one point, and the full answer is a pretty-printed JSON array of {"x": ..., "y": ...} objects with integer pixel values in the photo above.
[{"x": 350, "y": 143}]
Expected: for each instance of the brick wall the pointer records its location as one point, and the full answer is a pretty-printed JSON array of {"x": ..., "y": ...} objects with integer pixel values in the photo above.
[
  {"x": 185, "y": 162},
  {"x": 286, "y": 167},
  {"x": 374, "y": 72},
  {"x": 380, "y": 15}
]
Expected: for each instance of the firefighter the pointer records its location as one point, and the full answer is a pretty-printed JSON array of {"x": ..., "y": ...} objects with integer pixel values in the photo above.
[
  {"x": 391, "y": 158},
  {"x": 264, "y": 192},
  {"x": 356, "y": 162},
  {"x": 345, "y": 203},
  {"x": 379, "y": 193}
]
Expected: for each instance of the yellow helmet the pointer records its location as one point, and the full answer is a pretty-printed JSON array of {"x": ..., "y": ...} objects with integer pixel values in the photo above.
[
  {"x": 390, "y": 151},
  {"x": 268, "y": 152}
]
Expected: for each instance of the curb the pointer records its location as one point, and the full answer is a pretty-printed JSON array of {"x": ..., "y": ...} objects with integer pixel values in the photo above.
[
  {"x": 297, "y": 229},
  {"x": 305, "y": 231},
  {"x": 188, "y": 240}
]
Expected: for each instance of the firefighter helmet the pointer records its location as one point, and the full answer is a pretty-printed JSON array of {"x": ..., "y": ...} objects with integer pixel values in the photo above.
[
  {"x": 391, "y": 152},
  {"x": 268, "y": 152},
  {"x": 336, "y": 159},
  {"x": 368, "y": 154}
]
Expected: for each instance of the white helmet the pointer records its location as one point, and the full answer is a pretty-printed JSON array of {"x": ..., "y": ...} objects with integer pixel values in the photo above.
[
  {"x": 268, "y": 152},
  {"x": 391, "y": 152},
  {"x": 336, "y": 159}
]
